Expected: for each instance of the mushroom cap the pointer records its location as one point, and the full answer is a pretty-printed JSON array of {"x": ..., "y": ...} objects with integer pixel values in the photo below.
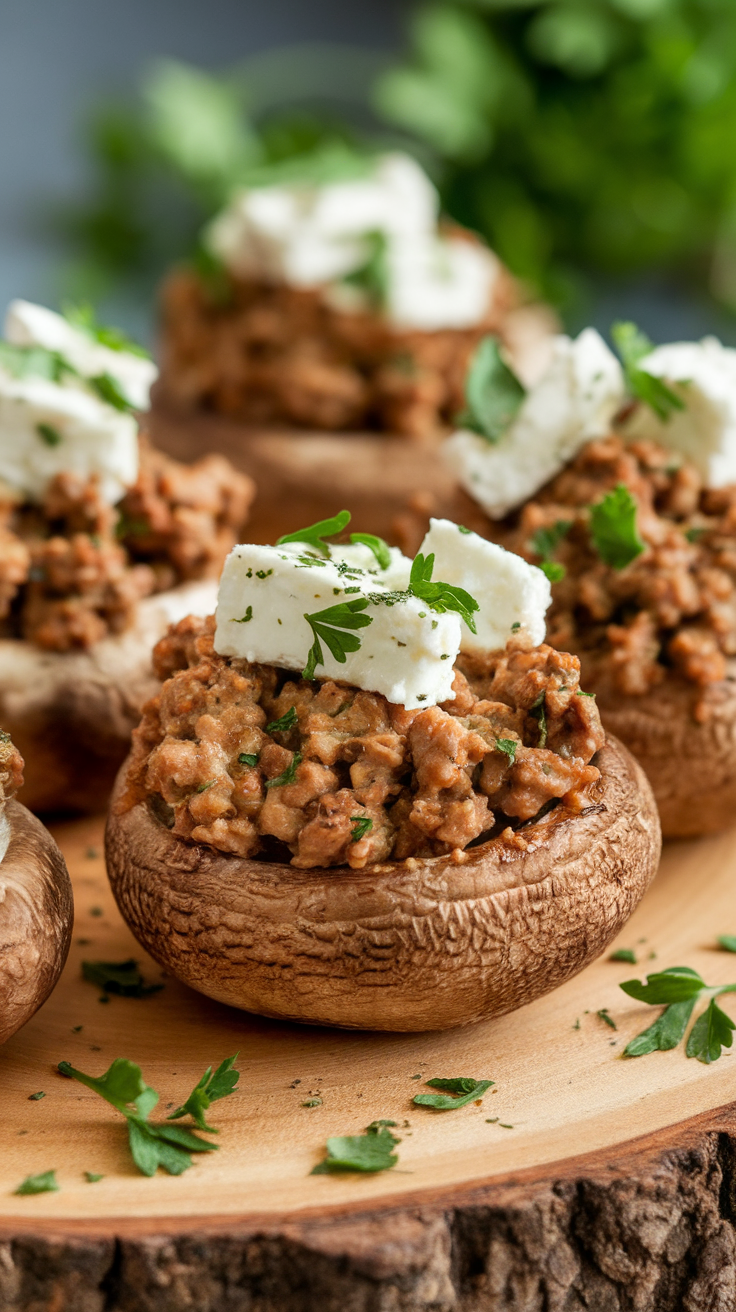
[
  {"x": 410, "y": 945},
  {"x": 36, "y": 913},
  {"x": 690, "y": 763},
  {"x": 71, "y": 714}
]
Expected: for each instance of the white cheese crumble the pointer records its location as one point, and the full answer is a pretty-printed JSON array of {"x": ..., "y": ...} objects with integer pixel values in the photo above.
[
  {"x": 34, "y": 325},
  {"x": 439, "y": 282},
  {"x": 406, "y": 653},
  {"x": 513, "y": 595},
  {"x": 573, "y": 402},
  {"x": 703, "y": 375}
]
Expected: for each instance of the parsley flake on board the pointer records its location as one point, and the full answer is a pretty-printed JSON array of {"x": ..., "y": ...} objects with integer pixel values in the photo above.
[
  {"x": 333, "y": 627},
  {"x": 624, "y": 954},
  {"x": 462, "y": 1090},
  {"x": 288, "y": 776},
  {"x": 380, "y": 549},
  {"x": 440, "y": 597},
  {"x": 36, "y": 1097},
  {"x": 613, "y": 528},
  {"x": 633, "y": 345},
  {"x": 363, "y": 825},
  {"x": 209, "y": 1089},
  {"x": 493, "y": 393},
  {"x": 315, "y": 534},
  {"x": 123, "y": 978},
  {"x": 48, "y": 434},
  {"x": 289, "y": 720},
  {"x": 92, "y": 1177},
  {"x": 151, "y": 1146},
  {"x": 43, "y": 1183},
  {"x": 727, "y": 942},
  {"x": 679, "y": 989},
  {"x": 544, "y": 544},
  {"x": 369, "y": 1152}
]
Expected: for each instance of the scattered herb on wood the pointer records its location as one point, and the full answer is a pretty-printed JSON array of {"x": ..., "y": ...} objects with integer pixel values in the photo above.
[
  {"x": 36, "y": 1097},
  {"x": 457, "y": 1092},
  {"x": 211, "y": 1088},
  {"x": 727, "y": 942},
  {"x": 312, "y": 1102},
  {"x": 92, "y": 1177},
  {"x": 624, "y": 954},
  {"x": 43, "y": 1183},
  {"x": 123, "y": 978},
  {"x": 368, "y": 1152},
  {"x": 607, "y": 1020},
  {"x": 679, "y": 990}
]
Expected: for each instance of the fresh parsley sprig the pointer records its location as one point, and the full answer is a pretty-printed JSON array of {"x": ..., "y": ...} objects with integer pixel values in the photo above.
[
  {"x": 151, "y": 1146},
  {"x": 613, "y": 528},
  {"x": 440, "y": 597},
  {"x": 289, "y": 720},
  {"x": 288, "y": 776},
  {"x": 315, "y": 534},
  {"x": 679, "y": 990},
  {"x": 380, "y": 549},
  {"x": 633, "y": 345},
  {"x": 209, "y": 1089},
  {"x": 368, "y": 1152},
  {"x": 457, "y": 1092},
  {"x": 334, "y": 626},
  {"x": 493, "y": 393}
]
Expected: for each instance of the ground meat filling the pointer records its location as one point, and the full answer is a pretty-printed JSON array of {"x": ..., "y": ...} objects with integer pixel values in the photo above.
[
  {"x": 255, "y": 761},
  {"x": 73, "y": 569},
  {"x": 674, "y": 607},
  {"x": 11, "y": 769}
]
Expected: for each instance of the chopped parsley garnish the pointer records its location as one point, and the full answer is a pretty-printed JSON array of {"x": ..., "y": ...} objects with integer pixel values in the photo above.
[
  {"x": 109, "y": 390},
  {"x": 121, "y": 977},
  {"x": 462, "y": 529},
  {"x": 607, "y": 1020},
  {"x": 544, "y": 544},
  {"x": 508, "y": 746},
  {"x": 209, "y": 1089},
  {"x": 613, "y": 528},
  {"x": 312, "y": 1102},
  {"x": 679, "y": 989},
  {"x": 695, "y": 534},
  {"x": 633, "y": 345},
  {"x": 289, "y": 774},
  {"x": 380, "y": 549},
  {"x": 36, "y": 1097},
  {"x": 48, "y": 434},
  {"x": 727, "y": 942},
  {"x": 440, "y": 597},
  {"x": 372, "y": 277},
  {"x": 538, "y": 712},
  {"x": 151, "y": 1146},
  {"x": 333, "y": 626},
  {"x": 493, "y": 393},
  {"x": 315, "y": 534},
  {"x": 83, "y": 316},
  {"x": 248, "y": 758},
  {"x": 92, "y": 1177},
  {"x": 369, "y": 1152},
  {"x": 35, "y": 362},
  {"x": 287, "y": 721},
  {"x": 624, "y": 954},
  {"x": 245, "y": 619},
  {"x": 202, "y": 788},
  {"x": 456, "y": 1093},
  {"x": 43, "y": 1183},
  {"x": 362, "y": 826}
]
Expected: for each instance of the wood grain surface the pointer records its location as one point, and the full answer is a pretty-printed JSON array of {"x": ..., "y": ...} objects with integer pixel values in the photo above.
[{"x": 614, "y": 1188}]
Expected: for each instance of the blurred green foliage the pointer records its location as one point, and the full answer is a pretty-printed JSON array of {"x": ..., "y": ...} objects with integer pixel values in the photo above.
[{"x": 581, "y": 137}]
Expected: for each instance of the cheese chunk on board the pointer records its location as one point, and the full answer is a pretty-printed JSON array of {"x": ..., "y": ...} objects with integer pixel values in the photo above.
[
  {"x": 27, "y": 324},
  {"x": 405, "y": 651},
  {"x": 703, "y": 375},
  {"x": 513, "y": 595},
  {"x": 573, "y": 402}
]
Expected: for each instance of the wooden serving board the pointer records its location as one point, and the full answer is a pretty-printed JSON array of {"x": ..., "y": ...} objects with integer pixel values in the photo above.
[{"x": 617, "y": 1175}]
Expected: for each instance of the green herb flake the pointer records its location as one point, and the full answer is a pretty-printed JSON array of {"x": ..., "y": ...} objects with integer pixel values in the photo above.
[
  {"x": 603, "y": 1015},
  {"x": 288, "y": 776},
  {"x": 439, "y": 596},
  {"x": 248, "y": 758},
  {"x": 362, "y": 826},
  {"x": 333, "y": 627},
  {"x": 315, "y": 534},
  {"x": 633, "y": 345},
  {"x": 82, "y": 316},
  {"x": 679, "y": 990},
  {"x": 109, "y": 390},
  {"x": 369, "y": 1152},
  {"x": 613, "y": 528},
  {"x": 727, "y": 942},
  {"x": 312, "y": 1102},
  {"x": 508, "y": 746},
  {"x": 289, "y": 720},
  {"x": 202, "y": 788},
  {"x": 211, "y": 1088},
  {"x": 380, "y": 549},
  {"x": 48, "y": 434},
  {"x": 373, "y": 275},
  {"x": 695, "y": 534},
  {"x": 92, "y": 1177},
  {"x": 624, "y": 954},
  {"x": 457, "y": 1092},
  {"x": 245, "y": 619},
  {"x": 36, "y": 1097},
  {"x": 43, "y": 1183},
  {"x": 462, "y": 529},
  {"x": 123, "y": 978},
  {"x": 493, "y": 393},
  {"x": 538, "y": 712}
]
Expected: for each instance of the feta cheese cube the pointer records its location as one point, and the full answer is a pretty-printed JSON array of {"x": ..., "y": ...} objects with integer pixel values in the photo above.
[
  {"x": 439, "y": 282},
  {"x": 513, "y": 595},
  {"x": 406, "y": 652},
  {"x": 48, "y": 429},
  {"x": 703, "y": 375},
  {"x": 33, "y": 325},
  {"x": 573, "y": 402}
]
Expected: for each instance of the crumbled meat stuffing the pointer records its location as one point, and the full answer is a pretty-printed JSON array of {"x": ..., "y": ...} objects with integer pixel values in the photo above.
[
  {"x": 357, "y": 780},
  {"x": 273, "y": 354},
  {"x": 73, "y": 569},
  {"x": 11, "y": 768},
  {"x": 674, "y": 606}
]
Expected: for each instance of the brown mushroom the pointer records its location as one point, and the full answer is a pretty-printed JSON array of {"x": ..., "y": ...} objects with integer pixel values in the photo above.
[
  {"x": 408, "y": 945},
  {"x": 71, "y": 714},
  {"x": 36, "y": 912}
]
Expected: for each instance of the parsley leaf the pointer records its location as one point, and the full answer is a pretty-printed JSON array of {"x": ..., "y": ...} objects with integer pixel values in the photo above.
[
  {"x": 289, "y": 774},
  {"x": 371, "y": 1151},
  {"x": 151, "y": 1146},
  {"x": 48, "y": 434},
  {"x": 248, "y": 758},
  {"x": 711, "y": 1032},
  {"x": 538, "y": 712},
  {"x": 680, "y": 989},
  {"x": 245, "y": 619},
  {"x": 440, "y": 597},
  {"x": 363, "y": 825},
  {"x": 613, "y": 528},
  {"x": 624, "y": 954},
  {"x": 509, "y": 746},
  {"x": 82, "y": 316},
  {"x": 109, "y": 390},
  {"x": 372, "y": 277},
  {"x": 35, "y": 362},
  {"x": 210, "y": 1089},
  {"x": 664, "y": 986},
  {"x": 121, "y": 977},
  {"x": 43, "y": 1183},
  {"x": 380, "y": 549},
  {"x": 666, "y": 1032},
  {"x": 462, "y": 1090},
  {"x": 633, "y": 345},
  {"x": 287, "y": 721},
  {"x": 727, "y": 942},
  {"x": 493, "y": 393},
  {"x": 544, "y": 544},
  {"x": 92, "y": 1177},
  {"x": 315, "y": 534},
  {"x": 330, "y": 626}
]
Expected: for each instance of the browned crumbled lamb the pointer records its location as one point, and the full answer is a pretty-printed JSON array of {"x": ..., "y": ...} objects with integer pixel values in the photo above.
[
  {"x": 673, "y": 608},
  {"x": 350, "y": 778}
]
